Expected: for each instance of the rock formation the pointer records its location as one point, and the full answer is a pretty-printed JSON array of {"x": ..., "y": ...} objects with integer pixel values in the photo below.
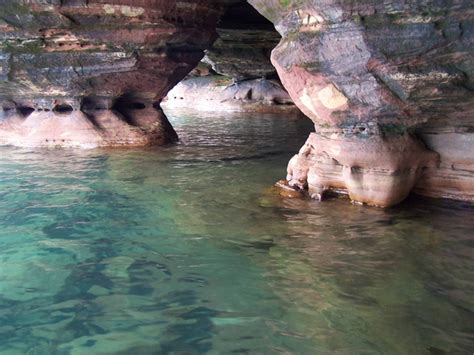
[
  {"x": 240, "y": 75},
  {"x": 388, "y": 85},
  {"x": 93, "y": 72},
  {"x": 219, "y": 93},
  {"x": 244, "y": 44}
]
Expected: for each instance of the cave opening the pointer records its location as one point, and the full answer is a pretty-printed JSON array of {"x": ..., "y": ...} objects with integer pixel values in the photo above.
[
  {"x": 25, "y": 111},
  {"x": 128, "y": 102},
  {"x": 63, "y": 109},
  {"x": 236, "y": 78},
  {"x": 236, "y": 73},
  {"x": 137, "y": 106},
  {"x": 89, "y": 104}
]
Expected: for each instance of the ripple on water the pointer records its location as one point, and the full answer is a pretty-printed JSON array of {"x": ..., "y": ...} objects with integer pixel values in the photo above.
[{"x": 179, "y": 249}]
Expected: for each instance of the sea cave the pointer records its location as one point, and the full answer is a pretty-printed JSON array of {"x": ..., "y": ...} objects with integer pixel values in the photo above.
[{"x": 232, "y": 176}]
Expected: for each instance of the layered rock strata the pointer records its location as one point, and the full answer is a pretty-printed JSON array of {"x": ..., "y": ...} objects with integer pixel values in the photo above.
[
  {"x": 389, "y": 86},
  {"x": 93, "y": 72},
  {"x": 240, "y": 75},
  {"x": 244, "y": 44}
]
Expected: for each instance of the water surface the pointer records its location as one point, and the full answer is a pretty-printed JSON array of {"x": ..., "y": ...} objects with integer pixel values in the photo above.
[{"x": 183, "y": 250}]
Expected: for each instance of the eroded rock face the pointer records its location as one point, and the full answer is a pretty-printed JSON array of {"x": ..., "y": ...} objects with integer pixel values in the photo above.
[
  {"x": 388, "y": 85},
  {"x": 214, "y": 93},
  {"x": 245, "y": 41},
  {"x": 382, "y": 171},
  {"x": 93, "y": 72},
  {"x": 236, "y": 73}
]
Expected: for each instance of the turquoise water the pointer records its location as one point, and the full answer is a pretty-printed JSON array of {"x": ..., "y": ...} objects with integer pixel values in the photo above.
[{"x": 184, "y": 250}]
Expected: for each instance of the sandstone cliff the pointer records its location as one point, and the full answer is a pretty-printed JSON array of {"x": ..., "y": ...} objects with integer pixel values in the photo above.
[
  {"x": 93, "y": 72},
  {"x": 389, "y": 86}
]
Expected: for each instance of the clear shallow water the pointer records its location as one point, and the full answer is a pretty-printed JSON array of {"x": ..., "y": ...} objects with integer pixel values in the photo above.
[{"x": 184, "y": 250}]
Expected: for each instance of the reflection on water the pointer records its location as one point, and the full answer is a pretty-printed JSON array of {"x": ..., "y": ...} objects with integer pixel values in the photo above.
[{"x": 183, "y": 250}]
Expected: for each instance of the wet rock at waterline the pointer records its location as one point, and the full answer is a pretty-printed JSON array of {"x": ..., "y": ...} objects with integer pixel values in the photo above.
[
  {"x": 381, "y": 172},
  {"x": 105, "y": 64},
  {"x": 387, "y": 84},
  {"x": 86, "y": 128},
  {"x": 389, "y": 88}
]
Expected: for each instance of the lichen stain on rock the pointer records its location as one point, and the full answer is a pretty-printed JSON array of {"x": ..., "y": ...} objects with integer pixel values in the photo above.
[
  {"x": 332, "y": 98},
  {"x": 307, "y": 100}
]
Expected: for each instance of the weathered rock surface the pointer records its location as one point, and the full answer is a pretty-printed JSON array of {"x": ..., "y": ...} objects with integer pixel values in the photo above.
[
  {"x": 382, "y": 171},
  {"x": 93, "y": 72},
  {"x": 389, "y": 86},
  {"x": 240, "y": 74},
  {"x": 218, "y": 93},
  {"x": 244, "y": 45}
]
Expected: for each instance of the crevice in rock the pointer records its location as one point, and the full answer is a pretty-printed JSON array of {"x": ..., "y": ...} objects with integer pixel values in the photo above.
[
  {"x": 94, "y": 104},
  {"x": 125, "y": 105},
  {"x": 25, "y": 111},
  {"x": 63, "y": 109}
]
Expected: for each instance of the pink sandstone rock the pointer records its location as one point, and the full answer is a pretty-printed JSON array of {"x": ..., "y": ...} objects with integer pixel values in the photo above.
[
  {"x": 388, "y": 85},
  {"x": 122, "y": 55}
]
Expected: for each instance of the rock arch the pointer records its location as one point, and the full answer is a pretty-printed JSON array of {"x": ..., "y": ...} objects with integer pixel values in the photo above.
[{"x": 387, "y": 84}]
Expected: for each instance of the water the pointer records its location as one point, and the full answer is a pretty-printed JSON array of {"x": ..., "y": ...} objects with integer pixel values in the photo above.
[{"x": 184, "y": 250}]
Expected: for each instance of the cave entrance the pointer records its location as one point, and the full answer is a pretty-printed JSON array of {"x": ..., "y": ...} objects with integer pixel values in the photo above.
[
  {"x": 63, "y": 109},
  {"x": 235, "y": 94},
  {"x": 236, "y": 73}
]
